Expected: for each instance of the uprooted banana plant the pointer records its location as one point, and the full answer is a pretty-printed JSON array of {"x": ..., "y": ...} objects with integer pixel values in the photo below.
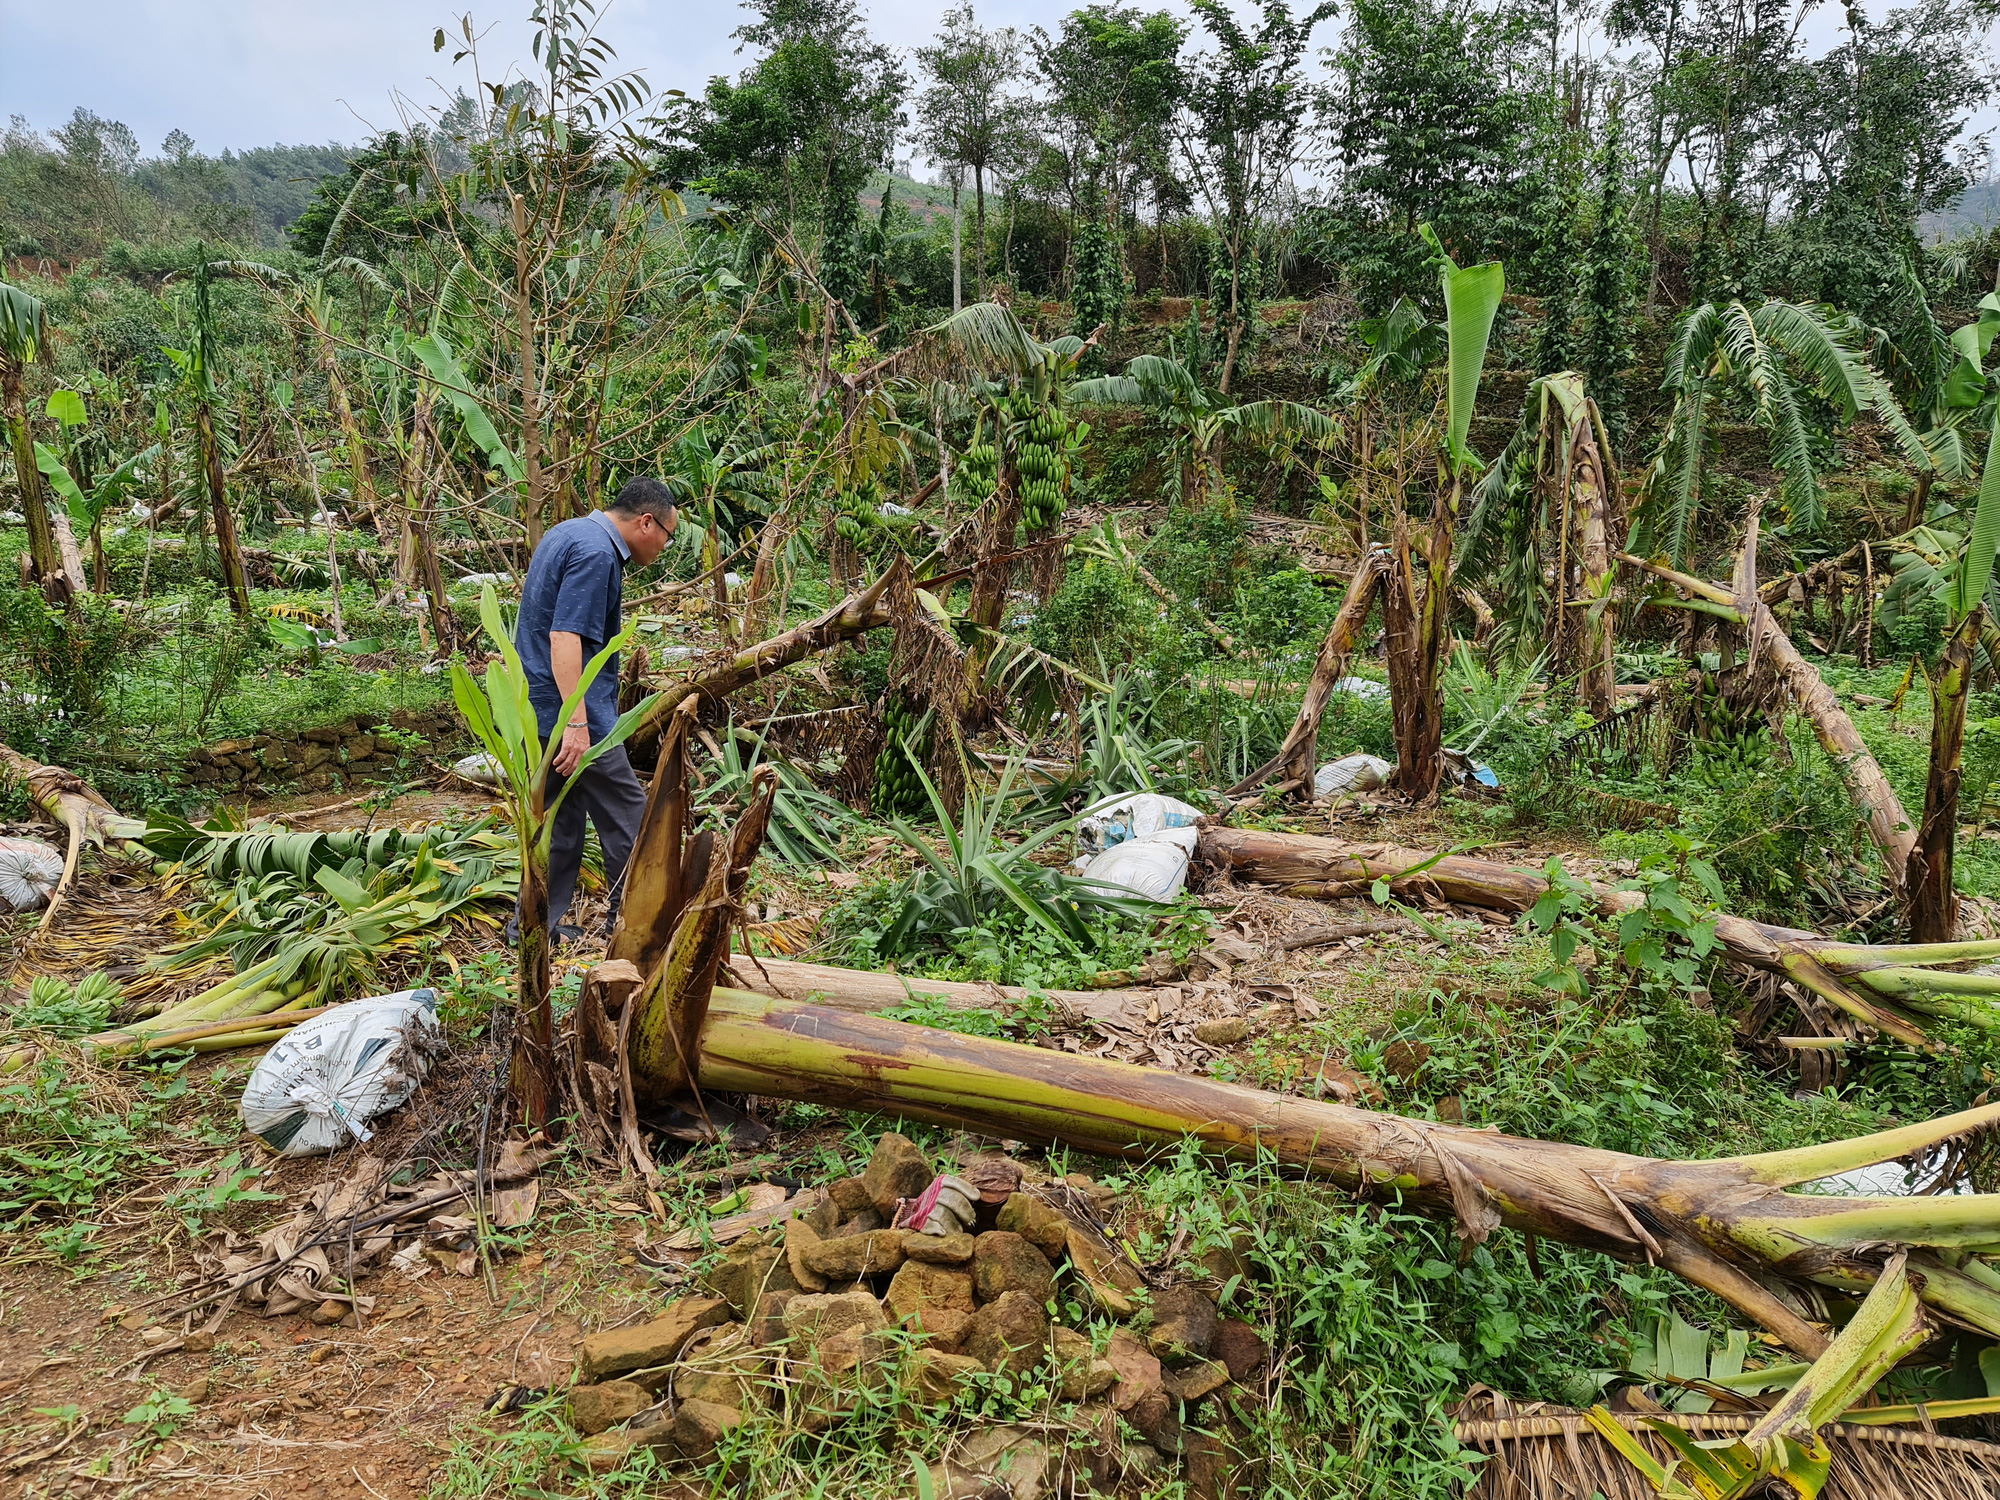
[
  {"x": 651, "y": 1022},
  {"x": 1886, "y": 986}
]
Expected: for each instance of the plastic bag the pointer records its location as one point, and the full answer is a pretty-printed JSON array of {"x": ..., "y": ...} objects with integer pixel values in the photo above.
[
  {"x": 1361, "y": 687},
  {"x": 1351, "y": 773},
  {"x": 479, "y": 767},
  {"x": 323, "y": 1082},
  {"x": 1132, "y": 816},
  {"x": 1154, "y": 866},
  {"x": 29, "y": 874}
]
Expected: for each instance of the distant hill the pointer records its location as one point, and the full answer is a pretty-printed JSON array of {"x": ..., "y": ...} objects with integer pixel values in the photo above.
[{"x": 1978, "y": 209}]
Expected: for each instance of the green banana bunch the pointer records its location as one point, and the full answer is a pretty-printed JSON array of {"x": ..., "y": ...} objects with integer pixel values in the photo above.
[
  {"x": 897, "y": 787},
  {"x": 856, "y": 511},
  {"x": 1042, "y": 462}
]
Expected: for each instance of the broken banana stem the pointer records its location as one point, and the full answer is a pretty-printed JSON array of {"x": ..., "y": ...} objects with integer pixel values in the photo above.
[
  {"x": 1876, "y": 984},
  {"x": 1727, "y": 1225}
]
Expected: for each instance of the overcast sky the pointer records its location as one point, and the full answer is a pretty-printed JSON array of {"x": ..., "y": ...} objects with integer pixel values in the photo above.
[{"x": 242, "y": 73}]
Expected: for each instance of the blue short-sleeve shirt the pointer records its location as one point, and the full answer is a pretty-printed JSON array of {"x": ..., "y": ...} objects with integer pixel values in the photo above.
[{"x": 573, "y": 585}]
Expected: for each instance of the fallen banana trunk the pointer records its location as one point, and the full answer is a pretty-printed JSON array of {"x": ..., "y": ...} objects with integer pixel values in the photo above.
[
  {"x": 867, "y": 990},
  {"x": 1727, "y": 1225},
  {"x": 72, "y": 802},
  {"x": 1893, "y": 831},
  {"x": 1879, "y": 985}
]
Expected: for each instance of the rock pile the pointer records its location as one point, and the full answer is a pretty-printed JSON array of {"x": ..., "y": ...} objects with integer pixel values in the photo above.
[{"x": 901, "y": 1286}]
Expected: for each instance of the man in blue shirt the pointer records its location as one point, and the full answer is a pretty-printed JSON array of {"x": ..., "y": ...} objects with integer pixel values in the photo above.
[{"x": 569, "y": 610}]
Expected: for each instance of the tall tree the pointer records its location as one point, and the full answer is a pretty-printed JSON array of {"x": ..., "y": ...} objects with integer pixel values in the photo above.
[
  {"x": 1112, "y": 75},
  {"x": 1424, "y": 126},
  {"x": 1241, "y": 132},
  {"x": 972, "y": 114},
  {"x": 796, "y": 137}
]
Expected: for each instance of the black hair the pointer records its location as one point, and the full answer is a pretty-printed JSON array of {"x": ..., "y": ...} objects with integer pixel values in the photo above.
[{"x": 645, "y": 496}]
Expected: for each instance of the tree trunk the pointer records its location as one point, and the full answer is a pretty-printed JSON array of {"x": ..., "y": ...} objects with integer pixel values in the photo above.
[
  {"x": 228, "y": 552},
  {"x": 421, "y": 516},
  {"x": 1591, "y": 482},
  {"x": 1298, "y": 758},
  {"x": 42, "y": 554},
  {"x": 532, "y": 1069},
  {"x": 979, "y": 231},
  {"x": 67, "y": 550},
  {"x": 1413, "y": 635},
  {"x": 532, "y": 499},
  {"x": 1725, "y": 1225},
  {"x": 1876, "y": 984},
  {"x": 771, "y": 541},
  {"x": 1918, "y": 503},
  {"x": 1933, "y": 906},
  {"x": 1889, "y": 827},
  {"x": 855, "y": 615}
]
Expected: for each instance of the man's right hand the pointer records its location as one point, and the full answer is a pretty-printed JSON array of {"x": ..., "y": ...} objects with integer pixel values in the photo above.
[{"x": 575, "y": 741}]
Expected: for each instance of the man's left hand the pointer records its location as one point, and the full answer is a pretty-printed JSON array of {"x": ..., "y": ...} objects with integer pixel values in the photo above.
[{"x": 575, "y": 741}]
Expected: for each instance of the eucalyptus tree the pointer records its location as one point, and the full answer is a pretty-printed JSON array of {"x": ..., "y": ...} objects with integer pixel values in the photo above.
[
  {"x": 974, "y": 114},
  {"x": 1241, "y": 131}
]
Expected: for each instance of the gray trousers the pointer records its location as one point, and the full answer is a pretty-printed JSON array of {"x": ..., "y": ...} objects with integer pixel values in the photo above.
[{"x": 609, "y": 794}]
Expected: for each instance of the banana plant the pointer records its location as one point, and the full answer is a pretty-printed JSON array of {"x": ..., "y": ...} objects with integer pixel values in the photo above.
[
  {"x": 1774, "y": 358},
  {"x": 24, "y": 336},
  {"x": 198, "y": 365},
  {"x": 85, "y": 503},
  {"x": 502, "y": 718},
  {"x": 1416, "y": 626}
]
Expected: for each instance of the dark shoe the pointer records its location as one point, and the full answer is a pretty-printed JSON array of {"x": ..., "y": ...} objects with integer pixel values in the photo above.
[{"x": 566, "y": 932}]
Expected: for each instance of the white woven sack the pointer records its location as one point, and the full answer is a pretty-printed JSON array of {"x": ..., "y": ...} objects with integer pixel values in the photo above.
[
  {"x": 1135, "y": 815},
  {"x": 29, "y": 874},
  {"x": 327, "y": 1078},
  {"x": 1154, "y": 867},
  {"x": 1352, "y": 773}
]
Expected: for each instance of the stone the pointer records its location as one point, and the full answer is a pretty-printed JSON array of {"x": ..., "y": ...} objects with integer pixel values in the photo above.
[
  {"x": 854, "y": 1256},
  {"x": 848, "y": 1196},
  {"x": 896, "y": 1171},
  {"x": 1010, "y": 1333},
  {"x": 864, "y": 1222},
  {"x": 1082, "y": 1373},
  {"x": 943, "y": 1328},
  {"x": 198, "y": 1342},
  {"x": 312, "y": 757},
  {"x": 330, "y": 1312},
  {"x": 620, "y": 1350},
  {"x": 919, "y": 1288},
  {"x": 724, "y": 1366},
  {"x": 1141, "y": 1461},
  {"x": 799, "y": 1237},
  {"x": 597, "y": 1408},
  {"x": 824, "y": 1218},
  {"x": 751, "y": 1268},
  {"x": 1197, "y": 1380},
  {"x": 767, "y": 1320},
  {"x": 1037, "y": 1222},
  {"x": 1113, "y": 1282},
  {"x": 360, "y": 746},
  {"x": 814, "y": 1321},
  {"x": 1211, "y": 1468},
  {"x": 1003, "y": 1262},
  {"x": 1138, "y": 1370},
  {"x": 699, "y": 1427},
  {"x": 996, "y": 1178},
  {"x": 1240, "y": 1348},
  {"x": 1230, "y": 1260},
  {"x": 939, "y": 1249},
  {"x": 1184, "y": 1324},
  {"x": 325, "y": 735},
  {"x": 936, "y": 1375},
  {"x": 1158, "y": 1420},
  {"x": 1013, "y": 1455},
  {"x": 195, "y": 1391},
  {"x": 1226, "y": 1032},
  {"x": 607, "y": 1452}
]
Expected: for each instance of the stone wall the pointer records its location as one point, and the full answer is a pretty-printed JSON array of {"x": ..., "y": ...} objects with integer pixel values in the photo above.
[{"x": 317, "y": 759}]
